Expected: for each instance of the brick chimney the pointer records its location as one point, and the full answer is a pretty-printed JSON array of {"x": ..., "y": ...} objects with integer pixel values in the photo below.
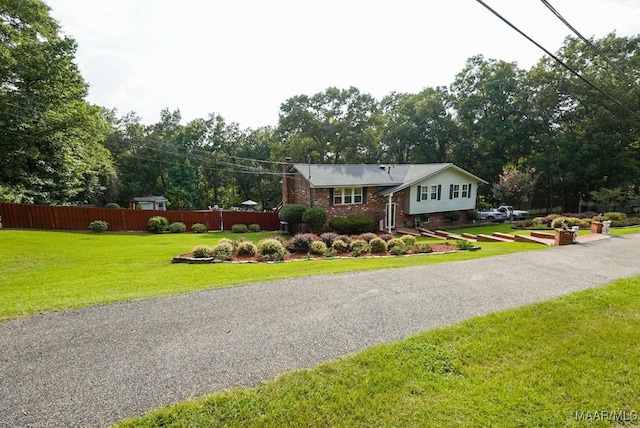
[{"x": 286, "y": 168}]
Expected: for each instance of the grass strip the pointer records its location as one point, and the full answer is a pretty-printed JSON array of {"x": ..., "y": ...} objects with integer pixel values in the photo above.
[
  {"x": 568, "y": 362},
  {"x": 43, "y": 271}
]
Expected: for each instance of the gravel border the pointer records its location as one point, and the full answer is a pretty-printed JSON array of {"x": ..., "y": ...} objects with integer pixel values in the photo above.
[{"x": 98, "y": 365}]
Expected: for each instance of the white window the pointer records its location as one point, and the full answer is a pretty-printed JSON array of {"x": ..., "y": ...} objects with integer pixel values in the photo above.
[
  {"x": 434, "y": 192},
  {"x": 424, "y": 193},
  {"x": 347, "y": 195},
  {"x": 465, "y": 190},
  {"x": 456, "y": 191}
]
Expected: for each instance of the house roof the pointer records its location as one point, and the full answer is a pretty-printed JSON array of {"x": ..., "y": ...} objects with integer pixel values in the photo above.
[
  {"x": 150, "y": 199},
  {"x": 394, "y": 177}
]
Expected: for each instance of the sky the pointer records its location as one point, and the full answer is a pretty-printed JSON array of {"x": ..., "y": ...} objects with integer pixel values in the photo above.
[{"x": 242, "y": 59}]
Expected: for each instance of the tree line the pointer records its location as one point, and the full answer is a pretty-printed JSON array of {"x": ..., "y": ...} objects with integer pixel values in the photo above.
[{"x": 576, "y": 137}]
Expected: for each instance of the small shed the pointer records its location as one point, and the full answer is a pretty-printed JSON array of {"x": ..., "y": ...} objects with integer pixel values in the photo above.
[{"x": 149, "y": 203}]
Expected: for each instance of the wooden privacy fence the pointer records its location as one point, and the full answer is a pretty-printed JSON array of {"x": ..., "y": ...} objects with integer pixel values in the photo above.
[{"x": 26, "y": 216}]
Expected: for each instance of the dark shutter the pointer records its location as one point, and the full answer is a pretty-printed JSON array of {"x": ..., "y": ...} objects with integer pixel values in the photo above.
[
  {"x": 469, "y": 191},
  {"x": 451, "y": 191},
  {"x": 419, "y": 191},
  {"x": 330, "y": 197},
  {"x": 364, "y": 195},
  {"x": 439, "y": 191}
]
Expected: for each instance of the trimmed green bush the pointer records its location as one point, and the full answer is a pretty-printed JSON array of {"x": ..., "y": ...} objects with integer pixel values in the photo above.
[
  {"x": 177, "y": 227},
  {"x": 358, "y": 247},
  {"x": 353, "y": 224},
  {"x": 339, "y": 246},
  {"x": 228, "y": 241},
  {"x": 368, "y": 236},
  {"x": 318, "y": 247},
  {"x": 112, "y": 205},
  {"x": 463, "y": 244},
  {"x": 571, "y": 221},
  {"x": 198, "y": 228},
  {"x": 453, "y": 216},
  {"x": 246, "y": 248},
  {"x": 99, "y": 226},
  {"x": 314, "y": 218},
  {"x": 158, "y": 224},
  {"x": 398, "y": 250},
  {"x": 239, "y": 228},
  {"x": 292, "y": 214},
  {"x": 408, "y": 240},
  {"x": 223, "y": 251},
  {"x": 394, "y": 243},
  {"x": 421, "y": 248},
  {"x": 378, "y": 245},
  {"x": 271, "y": 249},
  {"x": 254, "y": 227},
  {"x": 618, "y": 219},
  {"x": 202, "y": 251}
]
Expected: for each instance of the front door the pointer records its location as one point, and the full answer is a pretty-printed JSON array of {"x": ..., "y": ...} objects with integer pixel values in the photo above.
[{"x": 390, "y": 217}]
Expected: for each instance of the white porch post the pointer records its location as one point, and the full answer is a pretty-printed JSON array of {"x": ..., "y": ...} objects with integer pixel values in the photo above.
[{"x": 389, "y": 212}]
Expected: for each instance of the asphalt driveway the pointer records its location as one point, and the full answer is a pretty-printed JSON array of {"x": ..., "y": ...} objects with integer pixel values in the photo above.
[{"x": 99, "y": 365}]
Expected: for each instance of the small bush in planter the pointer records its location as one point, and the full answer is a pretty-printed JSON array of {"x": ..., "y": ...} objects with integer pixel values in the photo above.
[
  {"x": 177, "y": 227},
  {"x": 157, "y": 224},
  {"x": 99, "y": 226},
  {"x": 408, "y": 240},
  {"x": 198, "y": 228},
  {"x": 246, "y": 248},
  {"x": 378, "y": 245},
  {"x": 202, "y": 251},
  {"x": 239, "y": 228},
  {"x": 358, "y": 247},
  {"x": 318, "y": 247},
  {"x": 300, "y": 243},
  {"x": 396, "y": 242},
  {"x": 223, "y": 251},
  {"x": 254, "y": 227},
  {"x": 340, "y": 246},
  {"x": 271, "y": 249}
]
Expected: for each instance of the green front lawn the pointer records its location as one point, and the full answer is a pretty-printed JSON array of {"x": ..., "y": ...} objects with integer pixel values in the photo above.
[
  {"x": 560, "y": 363},
  {"x": 44, "y": 271}
]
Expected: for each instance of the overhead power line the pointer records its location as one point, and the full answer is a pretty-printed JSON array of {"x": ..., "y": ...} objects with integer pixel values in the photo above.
[
  {"x": 575, "y": 73},
  {"x": 589, "y": 43}
]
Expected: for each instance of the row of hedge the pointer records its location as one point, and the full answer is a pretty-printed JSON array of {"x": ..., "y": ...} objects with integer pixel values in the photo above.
[{"x": 583, "y": 220}]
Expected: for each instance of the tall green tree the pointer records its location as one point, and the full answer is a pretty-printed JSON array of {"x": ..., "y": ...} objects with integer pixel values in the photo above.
[{"x": 50, "y": 137}]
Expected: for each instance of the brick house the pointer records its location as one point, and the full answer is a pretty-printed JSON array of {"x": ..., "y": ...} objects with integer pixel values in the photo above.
[{"x": 397, "y": 195}]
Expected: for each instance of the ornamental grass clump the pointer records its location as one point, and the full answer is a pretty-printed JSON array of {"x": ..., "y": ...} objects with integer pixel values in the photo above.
[
  {"x": 358, "y": 247},
  {"x": 271, "y": 249},
  {"x": 421, "y": 248},
  {"x": 223, "y": 251},
  {"x": 378, "y": 245},
  {"x": 202, "y": 252},
  {"x": 339, "y": 246},
  {"x": 408, "y": 240},
  {"x": 396, "y": 243}
]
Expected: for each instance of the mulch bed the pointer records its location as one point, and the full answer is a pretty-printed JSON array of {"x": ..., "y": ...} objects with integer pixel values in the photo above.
[{"x": 189, "y": 258}]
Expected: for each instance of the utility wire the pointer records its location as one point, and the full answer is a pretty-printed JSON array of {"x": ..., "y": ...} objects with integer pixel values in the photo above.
[
  {"x": 588, "y": 42},
  {"x": 575, "y": 73}
]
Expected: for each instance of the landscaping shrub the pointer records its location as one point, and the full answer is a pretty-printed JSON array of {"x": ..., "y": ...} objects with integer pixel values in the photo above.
[
  {"x": 99, "y": 226},
  {"x": 239, "y": 228},
  {"x": 202, "y": 251},
  {"x": 368, "y": 236},
  {"x": 198, "y": 228},
  {"x": 408, "y": 240},
  {"x": 339, "y": 246},
  {"x": 571, "y": 221},
  {"x": 318, "y": 247},
  {"x": 344, "y": 238},
  {"x": 292, "y": 214},
  {"x": 246, "y": 248},
  {"x": 177, "y": 227},
  {"x": 398, "y": 250},
  {"x": 386, "y": 236},
  {"x": 340, "y": 225},
  {"x": 353, "y": 224},
  {"x": 228, "y": 241},
  {"x": 314, "y": 218},
  {"x": 378, "y": 245},
  {"x": 545, "y": 221},
  {"x": 422, "y": 248},
  {"x": 358, "y": 247},
  {"x": 618, "y": 219},
  {"x": 271, "y": 249},
  {"x": 453, "y": 216},
  {"x": 223, "y": 251},
  {"x": 157, "y": 224},
  {"x": 395, "y": 242},
  {"x": 328, "y": 238},
  {"x": 300, "y": 243},
  {"x": 463, "y": 244},
  {"x": 112, "y": 205},
  {"x": 254, "y": 227}
]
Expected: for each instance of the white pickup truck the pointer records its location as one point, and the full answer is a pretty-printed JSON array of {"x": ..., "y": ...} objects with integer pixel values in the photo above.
[
  {"x": 513, "y": 214},
  {"x": 492, "y": 215}
]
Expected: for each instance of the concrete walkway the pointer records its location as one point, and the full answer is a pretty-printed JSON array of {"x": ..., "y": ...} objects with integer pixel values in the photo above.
[{"x": 99, "y": 365}]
